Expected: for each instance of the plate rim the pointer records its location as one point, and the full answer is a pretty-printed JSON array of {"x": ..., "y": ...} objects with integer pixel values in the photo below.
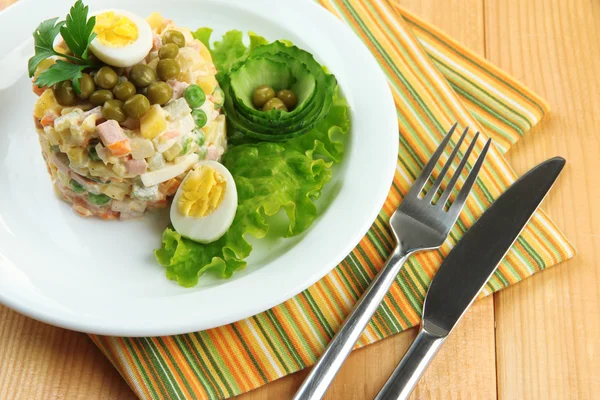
[{"x": 92, "y": 325}]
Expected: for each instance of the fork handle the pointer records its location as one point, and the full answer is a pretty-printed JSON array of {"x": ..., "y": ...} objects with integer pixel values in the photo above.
[
  {"x": 320, "y": 377},
  {"x": 406, "y": 375}
]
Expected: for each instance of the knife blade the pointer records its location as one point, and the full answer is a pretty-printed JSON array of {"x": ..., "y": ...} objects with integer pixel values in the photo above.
[{"x": 467, "y": 268}]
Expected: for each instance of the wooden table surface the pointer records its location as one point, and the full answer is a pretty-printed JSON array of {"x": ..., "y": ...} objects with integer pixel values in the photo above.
[{"x": 539, "y": 339}]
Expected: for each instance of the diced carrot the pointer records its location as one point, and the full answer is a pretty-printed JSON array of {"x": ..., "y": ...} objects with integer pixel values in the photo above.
[
  {"x": 170, "y": 135},
  {"x": 157, "y": 204},
  {"x": 38, "y": 90},
  {"x": 120, "y": 148},
  {"x": 109, "y": 214},
  {"x": 48, "y": 119},
  {"x": 169, "y": 188}
]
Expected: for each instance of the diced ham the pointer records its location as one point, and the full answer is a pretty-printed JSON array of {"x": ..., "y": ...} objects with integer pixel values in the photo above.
[
  {"x": 178, "y": 88},
  {"x": 60, "y": 162},
  {"x": 110, "y": 132},
  {"x": 88, "y": 184},
  {"x": 113, "y": 137},
  {"x": 136, "y": 167}
]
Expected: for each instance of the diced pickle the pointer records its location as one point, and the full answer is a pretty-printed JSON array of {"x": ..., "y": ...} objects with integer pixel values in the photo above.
[
  {"x": 173, "y": 152},
  {"x": 78, "y": 157}
]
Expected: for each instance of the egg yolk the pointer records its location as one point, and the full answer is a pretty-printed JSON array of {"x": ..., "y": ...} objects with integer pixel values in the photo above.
[
  {"x": 202, "y": 192},
  {"x": 115, "y": 30}
]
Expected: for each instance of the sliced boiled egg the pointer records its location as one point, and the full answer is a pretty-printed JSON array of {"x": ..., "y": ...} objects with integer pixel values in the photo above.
[
  {"x": 205, "y": 204},
  {"x": 122, "y": 38}
]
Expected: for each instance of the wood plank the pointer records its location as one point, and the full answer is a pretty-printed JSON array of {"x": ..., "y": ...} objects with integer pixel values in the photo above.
[
  {"x": 547, "y": 338},
  {"x": 40, "y": 361}
]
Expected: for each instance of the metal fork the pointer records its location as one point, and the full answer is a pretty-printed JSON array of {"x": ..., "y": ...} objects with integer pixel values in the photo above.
[{"x": 418, "y": 225}]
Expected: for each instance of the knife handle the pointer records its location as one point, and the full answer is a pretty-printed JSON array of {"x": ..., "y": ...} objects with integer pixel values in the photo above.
[
  {"x": 320, "y": 377},
  {"x": 406, "y": 375}
]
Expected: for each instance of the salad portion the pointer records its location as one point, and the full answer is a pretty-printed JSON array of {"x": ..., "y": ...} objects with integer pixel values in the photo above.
[
  {"x": 135, "y": 113},
  {"x": 124, "y": 117}
]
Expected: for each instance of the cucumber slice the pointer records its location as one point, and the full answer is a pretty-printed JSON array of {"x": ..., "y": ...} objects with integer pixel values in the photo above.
[{"x": 281, "y": 67}]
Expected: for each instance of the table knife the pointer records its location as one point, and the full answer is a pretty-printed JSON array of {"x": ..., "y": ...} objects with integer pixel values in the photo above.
[{"x": 466, "y": 270}]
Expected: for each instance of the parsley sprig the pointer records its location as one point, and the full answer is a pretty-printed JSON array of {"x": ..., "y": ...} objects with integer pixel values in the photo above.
[{"x": 77, "y": 32}]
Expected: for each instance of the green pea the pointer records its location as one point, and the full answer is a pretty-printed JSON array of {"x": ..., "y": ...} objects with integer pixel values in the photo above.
[
  {"x": 76, "y": 186},
  {"x": 159, "y": 93},
  {"x": 98, "y": 199},
  {"x": 274, "y": 104},
  {"x": 93, "y": 153},
  {"x": 169, "y": 50},
  {"x": 172, "y": 36},
  {"x": 106, "y": 78},
  {"x": 200, "y": 136},
  {"x": 186, "y": 145},
  {"x": 124, "y": 90},
  {"x": 113, "y": 109},
  {"x": 195, "y": 96},
  {"x": 137, "y": 106},
  {"x": 200, "y": 118},
  {"x": 262, "y": 95},
  {"x": 87, "y": 86},
  {"x": 142, "y": 75},
  {"x": 168, "y": 69},
  {"x": 288, "y": 98},
  {"x": 101, "y": 96},
  {"x": 65, "y": 94}
]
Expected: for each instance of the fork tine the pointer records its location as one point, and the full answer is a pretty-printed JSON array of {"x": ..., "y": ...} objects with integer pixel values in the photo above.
[
  {"x": 444, "y": 197},
  {"x": 462, "y": 196},
  {"x": 440, "y": 178},
  {"x": 422, "y": 178}
]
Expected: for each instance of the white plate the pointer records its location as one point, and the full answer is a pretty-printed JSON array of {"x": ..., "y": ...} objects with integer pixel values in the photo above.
[{"x": 101, "y": 277}]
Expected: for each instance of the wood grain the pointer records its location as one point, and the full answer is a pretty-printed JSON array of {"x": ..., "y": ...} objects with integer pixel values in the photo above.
[
  {"x": 547, "y": 341},
  {"x": 546, "y": 345},
  {"x": 39, "y": 361}
]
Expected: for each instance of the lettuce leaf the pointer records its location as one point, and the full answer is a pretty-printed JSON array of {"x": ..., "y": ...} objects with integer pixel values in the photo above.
[
  {"x": 230, "y": 49},
  {"x": 269, "y": 176}
]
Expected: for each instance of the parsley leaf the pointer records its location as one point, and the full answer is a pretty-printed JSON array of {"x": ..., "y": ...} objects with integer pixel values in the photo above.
[
  {"x": 43, "y": 37},
  {"x": 78, "y": 32},
  {"x": 61, "y": 71}
]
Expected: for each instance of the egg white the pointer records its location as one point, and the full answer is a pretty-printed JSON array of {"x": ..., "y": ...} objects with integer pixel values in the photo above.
[
  {"x": 213, "y": 226},
  {"x": 131, "y": 54}
]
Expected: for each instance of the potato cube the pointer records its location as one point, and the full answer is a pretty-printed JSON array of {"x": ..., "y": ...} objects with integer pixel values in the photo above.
[
  {"x": 153, "y": 123},
  {"x": 46, "y": 102},
  {"x": 141, "y": 148},
  {"x": 78, "y": 157}
]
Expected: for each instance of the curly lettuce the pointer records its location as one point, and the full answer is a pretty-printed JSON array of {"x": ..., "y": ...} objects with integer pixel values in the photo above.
[{"x": 269, "y": 177}]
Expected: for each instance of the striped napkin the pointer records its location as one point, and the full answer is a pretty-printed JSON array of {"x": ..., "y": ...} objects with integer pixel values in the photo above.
[{"x": 435, "y": 81}]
